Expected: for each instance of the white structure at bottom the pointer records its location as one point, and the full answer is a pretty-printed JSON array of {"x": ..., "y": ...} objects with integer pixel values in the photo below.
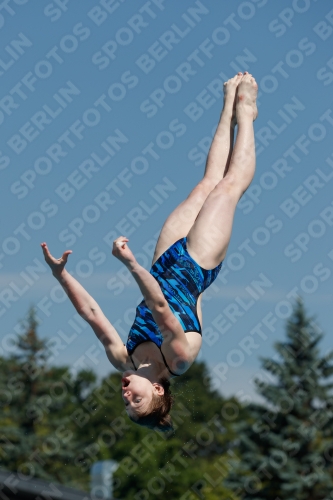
[{"x": 101, "y": 479}]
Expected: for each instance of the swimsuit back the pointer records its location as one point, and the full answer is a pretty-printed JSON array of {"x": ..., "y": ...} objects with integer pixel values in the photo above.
[{"x": 182, "y": 280}]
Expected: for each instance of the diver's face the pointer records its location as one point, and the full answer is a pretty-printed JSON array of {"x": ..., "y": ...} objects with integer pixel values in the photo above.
[{"x": 136, "y": 391}]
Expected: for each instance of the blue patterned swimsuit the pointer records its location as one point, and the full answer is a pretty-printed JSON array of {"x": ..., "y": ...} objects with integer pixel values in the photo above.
[{"x": 182, "y": 280}]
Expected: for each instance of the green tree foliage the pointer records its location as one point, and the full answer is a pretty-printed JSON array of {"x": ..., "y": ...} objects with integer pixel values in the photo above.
[
  {"x": 37, "y": 435},
  {"x": 54, "y": 425},
  {"x": 287, "y": 449}
]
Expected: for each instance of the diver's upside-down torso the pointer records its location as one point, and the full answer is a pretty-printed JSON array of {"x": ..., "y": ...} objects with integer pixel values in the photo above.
[{"x": 182, "y": 282}]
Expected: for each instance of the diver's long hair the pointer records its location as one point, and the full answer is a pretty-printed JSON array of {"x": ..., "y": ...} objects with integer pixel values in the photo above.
[{"x": 157, "y": 415}]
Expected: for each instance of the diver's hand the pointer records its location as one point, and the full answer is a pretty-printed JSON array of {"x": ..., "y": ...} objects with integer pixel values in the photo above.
[
  {"x": 122, "y": 252},
  {"x": 56, "y": 265}
]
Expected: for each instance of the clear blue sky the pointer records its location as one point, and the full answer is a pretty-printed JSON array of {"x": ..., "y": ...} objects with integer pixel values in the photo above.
[{"x": 146, "y": 76}]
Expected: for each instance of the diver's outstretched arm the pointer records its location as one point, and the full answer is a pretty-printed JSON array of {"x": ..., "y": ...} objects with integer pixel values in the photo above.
[
  {"x": 166, "y": 321},
  {"x": 149, "y": 287},
  {"x": 87, "y": 308}
]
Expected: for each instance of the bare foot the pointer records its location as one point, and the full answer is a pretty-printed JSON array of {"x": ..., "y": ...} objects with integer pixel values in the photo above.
[
  {"x": 246, "y": 97},
  {"x": 230, "y": 90}
]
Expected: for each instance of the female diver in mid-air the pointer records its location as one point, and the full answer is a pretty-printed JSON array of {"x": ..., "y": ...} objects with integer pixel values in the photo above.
[{"x": 165, "y": 337}]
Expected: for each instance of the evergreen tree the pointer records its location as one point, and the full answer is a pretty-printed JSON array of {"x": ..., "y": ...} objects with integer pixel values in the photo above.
[
  {"x": 54, "y": 425},
  {"x": 287, "y": 450},
  {"x": 37, "y": 431}
]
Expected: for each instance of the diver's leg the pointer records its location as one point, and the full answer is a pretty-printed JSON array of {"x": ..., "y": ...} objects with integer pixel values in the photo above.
[
  {"x": 180, "y": 221},
  {"x": 208, "y": 239}
]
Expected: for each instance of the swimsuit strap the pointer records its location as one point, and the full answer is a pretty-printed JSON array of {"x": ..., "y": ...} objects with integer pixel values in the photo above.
[
  {"x": 132, "y": 362},
  {"x": 166, "y": 364}
]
